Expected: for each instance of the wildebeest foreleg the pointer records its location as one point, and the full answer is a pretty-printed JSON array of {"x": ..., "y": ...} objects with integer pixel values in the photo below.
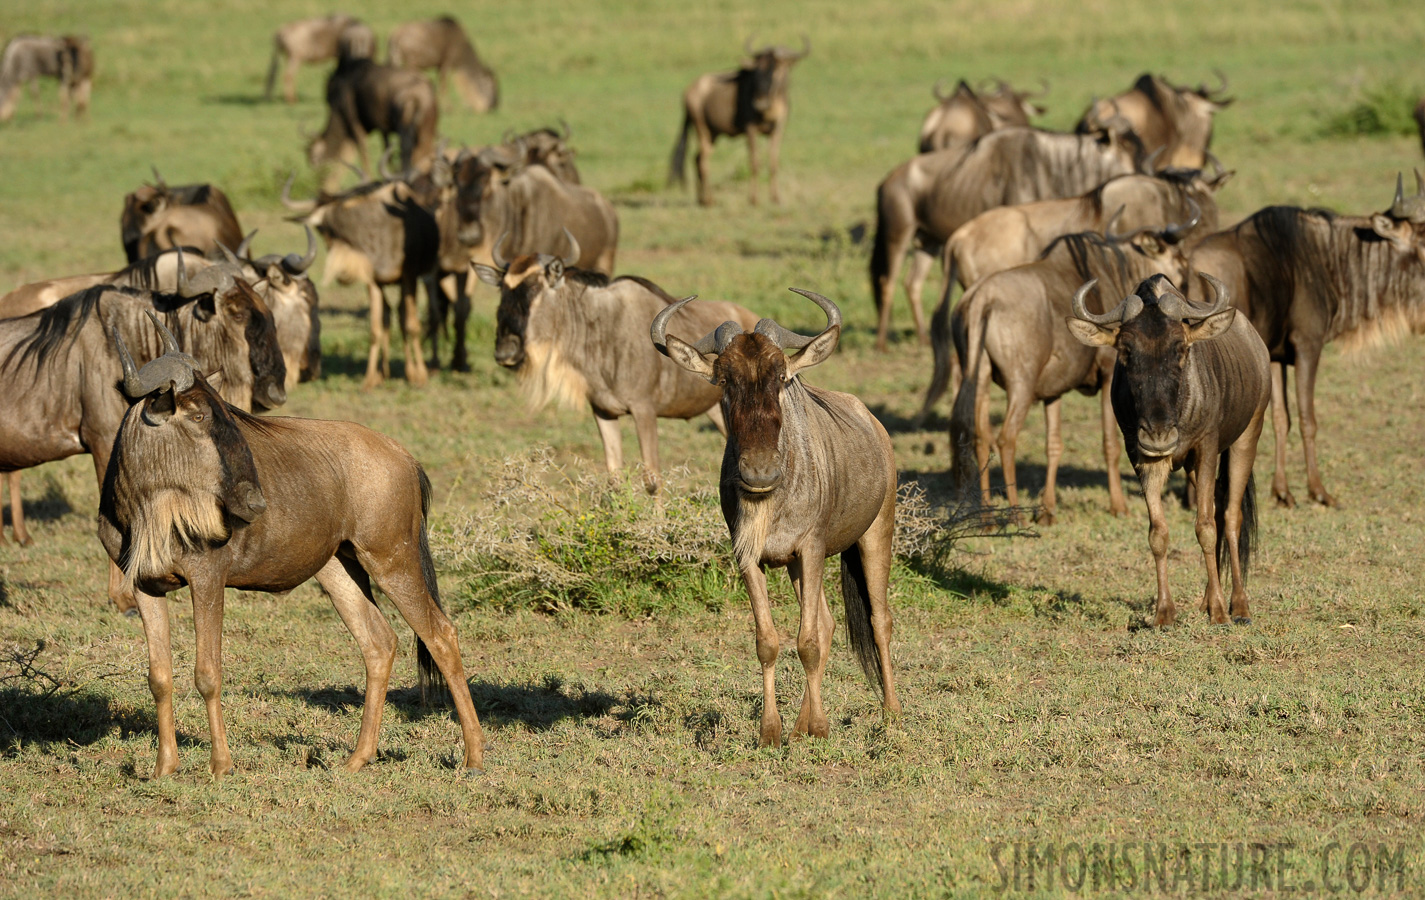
[
  {"x": 289, "y": 79},
  {"x": 875, "y": 550},
  {"x": 416, "y": 373},
  {"x": 813, "y": 638},
  {"x": 1307, "y": 362},
  {"x": 1020, "y": 396},
  {"x": 1206, "y": 527},
  {"x": 984, "y": 434},
  {"x": 1053, "y": 450},
  {"x": 921, "y": 263},
  {"x": 1111, "y": 448},
  {"x": 378, "y": 361},
  {"x": 774, "y": 156},
  {"x": 1241, "y": 458},
  {"x": 612, "y": 440},
  {"x": 645, "y": 421},
  {"x": 1154, "y": 477},
  {"x": 752, "y": 166},
  {"x": 208, "y": 666},
  {"x": 768, "y": 646},
  {"x": 17, "y": 512},
  {"x": 350, "y": 590},
  {"x": 1281, "y": 430},
  {"x": 154, "y": 611},
  {"x": 705, "y": 145}
]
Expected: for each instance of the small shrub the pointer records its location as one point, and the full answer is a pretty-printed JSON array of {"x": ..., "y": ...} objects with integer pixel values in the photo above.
[{"x": 1385, "y": 109}]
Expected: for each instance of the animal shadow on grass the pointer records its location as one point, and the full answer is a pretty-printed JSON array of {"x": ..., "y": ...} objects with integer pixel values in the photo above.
[
  {"x": 235, "y": 100},
  {"x": 52, "y": 720},
  {"x": 50, "y": 506}
]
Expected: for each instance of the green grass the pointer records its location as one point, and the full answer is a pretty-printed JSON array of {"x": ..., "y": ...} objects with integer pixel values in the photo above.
[{"x": 623, "y": 716}]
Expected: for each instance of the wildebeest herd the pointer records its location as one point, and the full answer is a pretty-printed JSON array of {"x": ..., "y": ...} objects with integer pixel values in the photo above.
[{"x": 1090, "y": 260}]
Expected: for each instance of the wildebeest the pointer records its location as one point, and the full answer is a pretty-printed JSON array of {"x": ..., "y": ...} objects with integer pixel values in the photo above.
[
  {"x": 807, "y": 473},
  {"x": 546, "y": 147},
  {"x": 1304, "y": 277},
  {"x": 364, "y": 96},
  {"x": 1009, "y": 328},
  {"x": 1009, "y": 236},
  {"x": 528, "y": 207},
  {"x": 309, "y": 41},
  {"x": 925, "y": 199},
  {"x": 58, "y": 367},
  {"x": 1174, "y": 123},
  {"x": 442, "y": 44},
  {"x": 158, "y": 217},
  {"x": 747, "y": 100},
  {"x": 378, "y": 234},
  {"x": 575, "y": 336},
  {"x": 1190, "y": 388},
  {"x": 959, "y": 118},
  {"x": 199, "y": 493},
  {"x": 67, "y": 59}
]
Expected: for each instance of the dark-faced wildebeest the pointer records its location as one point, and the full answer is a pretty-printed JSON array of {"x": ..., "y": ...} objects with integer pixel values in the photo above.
[
  {"x": 1009, "y": 328},
  {"x": 1009, "y": 236},
  {"x": 158, "y": 217},
  {"x": 309, "y": 41},
  {"x": 364, "y": 96},
  {"x": 576, "y": 336},
  {"x": 924, "y": 200},
  {"x": 443, "y": 45},
  {"x": 959, "y": 118},
  {"x": 545, "y": 147},
  {"x": 1304, "y": 277},
  {"x": 1190, "y": 388},
  {"x": 747, "y": 100},
  {"x": 807, "y": 473},
  {"x": 67, "y": 59},
  {"x": 1174, "y": 123},
  {"x": 378, "y": 234},
  {"x": 199, "y": 493}
]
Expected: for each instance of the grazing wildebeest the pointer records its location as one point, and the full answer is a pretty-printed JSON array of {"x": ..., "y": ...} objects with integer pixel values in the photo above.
[
  {"x": 442, "y": 44},
  {"x": 576, "y": 336},
  {"x": 158, "y": 217},
  {"x": 925, "y": 199},
  {"x": 1009, "y": 328},
  {"x": 1174, "y": 123},
  {"x": 747, "y": 100},
  {"x": 58, "y": 368},
  {"x": 1304, "y": 277},
  {"x": 199, "y": 493},
  {"x": 378, "y": 234},
  {"x": 1009, "y": 236},
  {"x": 364, "y": 96},
  {"x": 309, "y": 41},
  {"x": 528, "y": 207},
  {"x": 807, "y": 473},
  {"x": 959, "y": 118},
  {"x": 1190, "y": 388},
  {"x": 67, "y": 59}
]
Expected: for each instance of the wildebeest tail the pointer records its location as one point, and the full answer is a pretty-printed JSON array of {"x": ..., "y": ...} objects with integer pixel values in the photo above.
[
  {"x": 676, "y": 173},
  {"x": 428, "y": 673},
  {"x": 940, "y": 347},
  {"x": 1249, "y": 518},
  {"x": 880, "y": 249},
  {"x": 855, "y": 592}
]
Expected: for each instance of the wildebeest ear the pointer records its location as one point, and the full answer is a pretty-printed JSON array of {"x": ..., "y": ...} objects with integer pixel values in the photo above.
[
  {"x": 205, "y": 308},
  {"x": 687, "y": 356},
  {"x": 158, "y": 407},
  {"x": 244, "y": 500},
  {"x": 1398, "y": 233},
  {"x": 1091, "y": 334},
  {"x": 1210, "y": 327},
  {"x": 814, "y": 353},
  {"x": 555, "y": 270},
  {"x": 487, "y": 274}
]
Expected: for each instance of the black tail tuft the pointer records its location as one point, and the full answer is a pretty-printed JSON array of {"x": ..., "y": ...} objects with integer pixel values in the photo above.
[
  {"x": 856, "y": 594},
  {"x": 428, "y": 674},
  {"x": 1248, "y": 534},
  {"x": 965, "y": 464},
  {"x": 880, "y": 252},
  {"x": 676, "y": 167}
]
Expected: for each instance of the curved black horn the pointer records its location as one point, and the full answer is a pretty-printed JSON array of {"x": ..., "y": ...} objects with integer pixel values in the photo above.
[
  {"x": 1174, "y": 233},
  {"x": 244, "y": 250},
  {"x": 658, "y": 331},
  {"x": 298, "y": 265},
  {"x": 500, "y": 262},
  {"x": 1127, "y": 309},
  {"x": 158, "y": 181},
  {"x": 806, "y": 47},
  {"x": 229, "y": 255},
  {"x": 133, "y": 385},
  {"x": 1150, "y": 165},
  {"x": 360, "y": 172},
  {"x": 1217, "y": 168},
  {"x": 1221, "y": 82},
  {"x": 182, "y": 275},
  {"x": 572, "y": 258},
  {"x": 1221, "y": 297},
  {"x": 747, "y": 45},
  {"x": 383, "y": 165},
  {"x": 286, "y": 198},
  {"x": 790, "y": 340},
  {"x": 936, "y": 91},
  {"x": 170, "y": 343},
  {"x": 833, "y": 314}
]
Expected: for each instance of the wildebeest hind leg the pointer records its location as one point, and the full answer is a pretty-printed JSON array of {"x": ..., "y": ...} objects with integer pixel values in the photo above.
[
  {"x": 875, "y": 548},
  {"x": 1306, "y": 366},
  {"x": 813, "y": 640},
  {"x": 921, "y": 262},
  {"x": 612, "y": 440},
  {"x": 1206, "y": 526},
  {"x": 752, "y": 166},
  {"x": 1053, "y": 450},
  {"x": 1281, "y": 430},
  {"x": 645, "y": 421},
  {"x": 350, "y": 590},
  {"x": 378, "y": 361},
  {"x": 416, "y": 373}
]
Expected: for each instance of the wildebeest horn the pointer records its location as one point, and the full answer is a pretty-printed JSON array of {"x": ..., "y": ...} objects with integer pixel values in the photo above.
[
  {"x": 1130, "y": 307},
  {"x": 500, "y": 262},
  {"x": 158, "y": 181},
  {"x": 1216, "y": 164},
  {"x": 182, "y": 275},
  {"x": 564, "y": 125},
  {"x": 297, "y": 265},
  {"x": 1112, "y": 220},
  {"x": 213, "y": 280},
  {"x": 174, "y": 367},
  {"x": 360, "y": 172},
  {"x": 1150, "y": 164},
  {"x": 133, "y": 385},
  {"x": 658, "y": 330},
  {"x": 806, "y": 48},
  {"x": 1174, "y": 233},
  {"x": 1203, "y": 90},
  {"x": 1413, "y": 208},
  {"x": 573, "y": 257},
  {"x": 229, "y": 255},
  {"x": 1221, "y": 298},
  {"x": 383, "y": 165},
  {"x": 244, "y": 249},
  {"x": 790, "y": 340},
  {"x": 287, "y": 200},
  {"x": 936, "y": 91}
]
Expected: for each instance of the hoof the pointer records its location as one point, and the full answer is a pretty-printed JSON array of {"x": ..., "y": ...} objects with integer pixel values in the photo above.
[
  {"x": 1286, "y": 501},
  {"x": 1044, "y": 517},
  {"x": 1241, "y": 620},
  {"x": 131, "y": 613}
]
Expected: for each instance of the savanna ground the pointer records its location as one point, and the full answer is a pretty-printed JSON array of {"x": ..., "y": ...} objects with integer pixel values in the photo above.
[{"x": 622, "y": 719}]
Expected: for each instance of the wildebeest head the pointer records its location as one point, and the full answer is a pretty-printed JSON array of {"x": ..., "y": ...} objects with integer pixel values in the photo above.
[
  {"x": 222, "y": 288},
  {"x": 769, "y": 70},
  {"x": 1153, "y": 330},
  {"x": 477, "y": 177},
  {"x": 292, "y": 298},
  {"x": 1163, "y": 247},
  {"x": 523, "y": 282},
  {"x": 1404, "y": 223},
  {"x": 754, "y": 373}
]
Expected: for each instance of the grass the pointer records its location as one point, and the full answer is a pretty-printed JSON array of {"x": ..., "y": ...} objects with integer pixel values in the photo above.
[{"x": 623, "y": 717}]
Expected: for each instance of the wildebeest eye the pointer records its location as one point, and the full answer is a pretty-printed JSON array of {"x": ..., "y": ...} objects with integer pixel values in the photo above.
[{"x": 197, "y": 417}]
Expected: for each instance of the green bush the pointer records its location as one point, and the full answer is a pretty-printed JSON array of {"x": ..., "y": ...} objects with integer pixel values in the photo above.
[{"x": 1385, "y": 109}]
